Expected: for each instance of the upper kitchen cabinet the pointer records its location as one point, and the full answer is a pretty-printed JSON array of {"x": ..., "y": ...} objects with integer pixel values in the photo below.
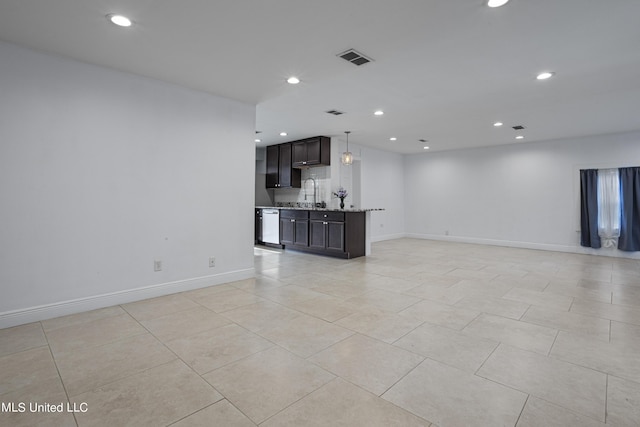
[
  {"x": 312, "y": 152},
  {"x": 280, "y": 173}
]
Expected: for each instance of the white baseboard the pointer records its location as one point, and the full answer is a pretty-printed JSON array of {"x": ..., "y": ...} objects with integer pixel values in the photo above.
[
  {"x": 63, "y": 308},
  {"x": 576, "y": 249},
  {"x": 388, "y": 237},
  {"x": 610, "y": 252},
  {"x": 493, "y": 242}
]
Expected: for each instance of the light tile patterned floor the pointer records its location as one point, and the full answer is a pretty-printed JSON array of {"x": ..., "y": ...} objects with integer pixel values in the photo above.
[{"x": 420, "y": 333}]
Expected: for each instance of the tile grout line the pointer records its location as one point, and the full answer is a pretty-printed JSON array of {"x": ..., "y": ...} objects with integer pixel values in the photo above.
[
  {"x": 606, "y": 399},
  {"x": 487, "y": 358},
  {"x": 55, "y": 363},
  {"x": 525, "y": 313},
  {"x": 522, "y": 410},
  {"x": 193, "y": 413},
  {"x": 540, "y": 397},
  {"x": 177, "y": 357},
  {"x": 405, "y": 375},
  {"x": 553, "y": 343},
  {"x": 404, "y": 335}
]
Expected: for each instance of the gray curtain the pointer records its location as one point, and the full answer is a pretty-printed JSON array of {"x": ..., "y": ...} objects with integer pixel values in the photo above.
[
  {"x": 630, "y": 221},
  {"x": 589, "y": 209}
]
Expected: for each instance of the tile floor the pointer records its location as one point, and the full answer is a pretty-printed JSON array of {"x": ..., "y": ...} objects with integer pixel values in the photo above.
[{"x": 420, "y": 333}]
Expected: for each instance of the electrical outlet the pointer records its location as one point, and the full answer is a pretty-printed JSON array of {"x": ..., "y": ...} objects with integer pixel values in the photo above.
[
  {"x": 212, "y": 262},
  {"x": 446, "y": 232},
  {"x": 157, "y": 265}
]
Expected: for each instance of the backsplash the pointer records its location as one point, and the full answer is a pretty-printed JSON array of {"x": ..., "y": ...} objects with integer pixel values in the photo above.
[
  {"x": 303, "y": 197},
  {"x": 307, "y": 205}
]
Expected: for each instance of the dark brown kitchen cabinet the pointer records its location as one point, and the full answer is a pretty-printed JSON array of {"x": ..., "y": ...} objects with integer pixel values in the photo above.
[
  {"x": 327, "y": 231},
  {"x": 258, "y": 227},
  {"x": 280, "y": 173},
  {"x": 294, "y": 228},
  {"x": 312, "y": 152},
  {"x": 334, "y": 233}
]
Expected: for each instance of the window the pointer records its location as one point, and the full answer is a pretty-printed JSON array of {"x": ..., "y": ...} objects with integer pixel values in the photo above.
[{"x": 609, "y": 206}]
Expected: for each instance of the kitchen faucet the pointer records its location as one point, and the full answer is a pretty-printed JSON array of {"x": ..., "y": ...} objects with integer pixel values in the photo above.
[{"x": 314, "y": 190}]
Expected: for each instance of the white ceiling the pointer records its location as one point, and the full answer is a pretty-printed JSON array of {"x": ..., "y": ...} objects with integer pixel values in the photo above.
[{"x": 443, "y": 70}]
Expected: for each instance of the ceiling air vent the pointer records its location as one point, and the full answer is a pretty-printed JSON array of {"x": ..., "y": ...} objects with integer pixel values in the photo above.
[
  {"x": 354, "y": 57},
  {"x": 335, "y": 112},
  {"x": 519, "y": 127}
]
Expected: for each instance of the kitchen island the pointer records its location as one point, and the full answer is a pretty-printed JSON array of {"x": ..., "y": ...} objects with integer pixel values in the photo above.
[{"x": 343, "y": 233}]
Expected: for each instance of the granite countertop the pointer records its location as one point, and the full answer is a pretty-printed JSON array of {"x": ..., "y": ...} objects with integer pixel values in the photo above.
[{"x": 319, "y": 209}]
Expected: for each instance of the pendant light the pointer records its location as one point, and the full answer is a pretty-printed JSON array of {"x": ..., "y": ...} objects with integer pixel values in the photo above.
[{"x": 347, "y": 157}]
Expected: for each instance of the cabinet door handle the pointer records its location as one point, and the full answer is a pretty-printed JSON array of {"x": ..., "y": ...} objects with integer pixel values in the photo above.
[
  {"x": 325, "y": 223},
  {"x": 293, "y": 220}
]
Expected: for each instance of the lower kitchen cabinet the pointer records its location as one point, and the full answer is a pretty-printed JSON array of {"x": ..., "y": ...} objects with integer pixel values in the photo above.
[
  {"x": 257, "y": 238},
  {"x": 335, "y": 236},
  {"x": 327, "y": 233},
  {"x": 294, "y": 228},
  {"x": 340, "y": 234}
]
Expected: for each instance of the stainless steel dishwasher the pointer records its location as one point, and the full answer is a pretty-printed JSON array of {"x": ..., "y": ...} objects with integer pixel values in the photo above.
[{"x": 271, "y": 226}]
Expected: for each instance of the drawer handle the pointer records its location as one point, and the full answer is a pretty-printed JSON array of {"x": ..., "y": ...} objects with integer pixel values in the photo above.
[{"x": 325, "y": 216}]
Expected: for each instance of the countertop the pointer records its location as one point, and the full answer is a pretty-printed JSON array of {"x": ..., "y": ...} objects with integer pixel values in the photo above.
[{"x": 319, "y": 209}]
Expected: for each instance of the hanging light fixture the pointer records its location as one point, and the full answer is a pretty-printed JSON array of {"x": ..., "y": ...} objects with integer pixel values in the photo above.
[{"x": 347, "y": 157}]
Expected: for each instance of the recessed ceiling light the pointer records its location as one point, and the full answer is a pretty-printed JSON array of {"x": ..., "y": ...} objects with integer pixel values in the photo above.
[
  {"x": 283, "y": 134},
  {"x": 498, "y": 124},
  {"x": 426, "y": 147},
  {"x": 545, "y": 75},
  {"x": 120, "y": 20},
  {"x": 257, "y": 140},
  {"x": 293, "y": 80},
  {"x": 378, "y": 112},
  {"x": 393, "y": 138},
  {"x": 497, "y": 3},
  {"x": 519, "y": 137}
]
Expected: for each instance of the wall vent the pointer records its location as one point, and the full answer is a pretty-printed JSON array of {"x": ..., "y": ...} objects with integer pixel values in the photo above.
[
  {"x": 354, "y": 57},
  {"x": 519, "y": 127},
  {"x": 335, "y": 112}
]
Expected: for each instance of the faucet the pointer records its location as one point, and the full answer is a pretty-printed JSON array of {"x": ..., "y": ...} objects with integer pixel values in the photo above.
[{"x": 314, "y": 190}]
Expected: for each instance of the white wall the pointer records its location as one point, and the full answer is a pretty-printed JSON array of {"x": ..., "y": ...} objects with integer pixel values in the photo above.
[
  {"x": 383, "y": 186},
  {"x": 102, "y": 172},
  {"x": 521, "y": 195}
]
